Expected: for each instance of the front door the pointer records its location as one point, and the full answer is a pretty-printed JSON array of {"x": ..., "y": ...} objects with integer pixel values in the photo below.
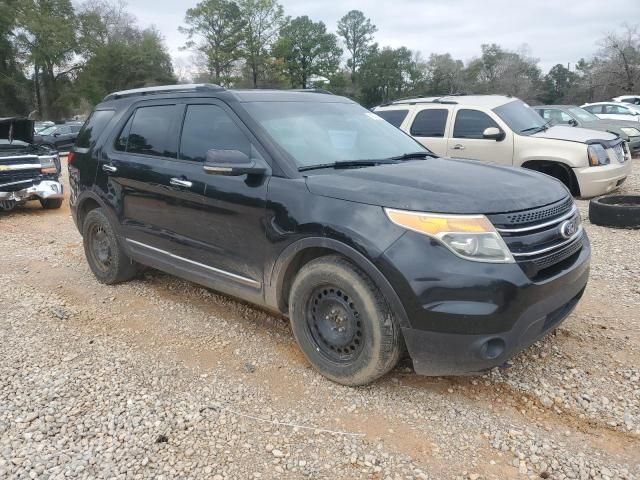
[{"x": 467, "y": 141}]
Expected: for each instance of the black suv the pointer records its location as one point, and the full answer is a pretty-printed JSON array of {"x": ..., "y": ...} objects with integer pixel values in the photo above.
[{"x": 310, "y": 205}]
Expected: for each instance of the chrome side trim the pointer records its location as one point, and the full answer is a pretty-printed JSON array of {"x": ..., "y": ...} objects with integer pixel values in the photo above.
[
  {"x": 540, "y": 225},
  {"x": 20, "y": 166},
  {"x": 240, "y": 278},
  {"x": 555, "y": 247},
  {"x": 17, "y": 183}
]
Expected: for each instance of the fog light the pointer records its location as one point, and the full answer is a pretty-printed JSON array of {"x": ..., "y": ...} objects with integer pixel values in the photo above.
[{"x": 492, "y": 349}]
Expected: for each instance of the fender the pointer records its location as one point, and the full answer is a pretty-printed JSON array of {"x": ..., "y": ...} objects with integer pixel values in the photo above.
[
  {"x": 91, "y": 195},
  {"x": 275, "y": 282}
]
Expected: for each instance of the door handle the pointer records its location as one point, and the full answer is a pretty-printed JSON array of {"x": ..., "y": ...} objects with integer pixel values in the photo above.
[
  {"x": 457, "y": 146},
  {"x": 177, "y": 182},
  {"x": 109, "y": 168}
]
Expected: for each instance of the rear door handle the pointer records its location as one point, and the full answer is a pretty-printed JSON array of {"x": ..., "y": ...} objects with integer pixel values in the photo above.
[
  {"x": 457, "y": 146},
  {"x": 109, "y": 168},
  {"x": 178, "y": 182}
]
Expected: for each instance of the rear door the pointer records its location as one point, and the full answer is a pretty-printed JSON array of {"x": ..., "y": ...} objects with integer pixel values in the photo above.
[
  {"x": 467, "y": 139},
  {"x": 429, "y": 126},
  {"x": 157, "y": 197}
]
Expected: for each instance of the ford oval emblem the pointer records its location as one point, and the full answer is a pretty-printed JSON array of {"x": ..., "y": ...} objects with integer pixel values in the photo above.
[{"x": 569, "y": 228}]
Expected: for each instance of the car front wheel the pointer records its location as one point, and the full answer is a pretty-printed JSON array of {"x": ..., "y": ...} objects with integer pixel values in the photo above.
[{"x": 342, "y": 322}]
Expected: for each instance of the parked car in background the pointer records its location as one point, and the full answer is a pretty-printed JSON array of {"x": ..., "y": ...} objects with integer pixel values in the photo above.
[
  {"x": 505, "y": 130},
  {"x": 39, "y": 126},
  {"x": 59, "y": 137},
  {"x": 310, "y": 205},
  {"x": 579, "y": 117},
  {"x": 27, "y": 171},
  {"x": 634, "y": 99},
  {"x": 614, "y": 110}
]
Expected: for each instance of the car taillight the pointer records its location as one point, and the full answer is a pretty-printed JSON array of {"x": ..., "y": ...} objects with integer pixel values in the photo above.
[{"x": 70, "y": 156}]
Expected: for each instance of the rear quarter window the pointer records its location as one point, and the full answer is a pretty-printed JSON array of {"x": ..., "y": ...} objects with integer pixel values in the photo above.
[
  {"x": 93, "y": 127},
  {"x": 394, "y": 117}
]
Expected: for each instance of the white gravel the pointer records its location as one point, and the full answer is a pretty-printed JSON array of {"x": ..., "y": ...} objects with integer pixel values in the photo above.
[{"x": 160, "y": 378}]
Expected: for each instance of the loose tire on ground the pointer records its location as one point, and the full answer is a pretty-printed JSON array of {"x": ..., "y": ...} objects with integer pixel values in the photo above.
[
  {"x": 107, "y": 260},
  {"x": 620, "y": 211},
  {"x": 51, "y": 203},
  {"x": 342, "y": 323}
]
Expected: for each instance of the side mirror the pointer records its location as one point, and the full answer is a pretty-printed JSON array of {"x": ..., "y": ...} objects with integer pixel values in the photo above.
[
  {"x": 56, "y": 134},
  {"x": 573, "y": 122},
  {"x": 232, "y": 163},
  {"x": 493, "y": 133}
]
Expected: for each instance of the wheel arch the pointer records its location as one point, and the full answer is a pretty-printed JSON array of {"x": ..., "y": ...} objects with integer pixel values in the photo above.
[
  {"x": 88, "y": 201},
  {"x": 558, "y": 170},
  {"x": 298, "y": 254}
]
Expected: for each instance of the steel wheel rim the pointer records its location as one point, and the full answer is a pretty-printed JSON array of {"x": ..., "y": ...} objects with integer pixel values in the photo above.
[
  {"x": 334, "y": 324},
  {"x": 100, "y": 248}
]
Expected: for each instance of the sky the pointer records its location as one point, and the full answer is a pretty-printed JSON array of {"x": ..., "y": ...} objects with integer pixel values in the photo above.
[{"x": 554, "y": 31}]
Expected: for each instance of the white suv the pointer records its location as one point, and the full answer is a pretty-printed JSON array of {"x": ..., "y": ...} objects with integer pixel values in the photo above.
[{"x": 507, "y": 131}]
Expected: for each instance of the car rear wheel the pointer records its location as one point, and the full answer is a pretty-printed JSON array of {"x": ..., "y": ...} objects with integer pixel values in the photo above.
[
  {"x": 106, "y": 258},
  {"x": 342, "y": 322}
]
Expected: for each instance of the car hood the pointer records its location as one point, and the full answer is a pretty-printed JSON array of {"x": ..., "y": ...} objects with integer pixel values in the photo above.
[
  {"x": 440, "y": 185},
  {"x": 15, "y": 128},
  {"x": 574, "y": 134}
]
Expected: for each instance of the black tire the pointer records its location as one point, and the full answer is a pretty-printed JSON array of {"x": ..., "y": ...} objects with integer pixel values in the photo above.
[
  {"x": 342, "y": 322},
  {"x": 620, "y": 211},
  {"x": 51, "y": 203},
  {"x": 106, "y": 258}
]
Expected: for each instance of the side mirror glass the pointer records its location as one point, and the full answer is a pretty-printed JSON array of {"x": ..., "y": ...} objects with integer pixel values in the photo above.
[
  {"x": 573, "y": 122},
  {"x": 493, "y": 133},
  {"x": 232, "y": 163}
]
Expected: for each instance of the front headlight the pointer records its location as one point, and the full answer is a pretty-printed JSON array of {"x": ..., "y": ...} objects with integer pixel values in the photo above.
[
  {"x": 48, "y": 165},
  {"x": 632, "y": 132},
  {"x": 597, "y": 155},
  {"x": 472, "y": 237}
]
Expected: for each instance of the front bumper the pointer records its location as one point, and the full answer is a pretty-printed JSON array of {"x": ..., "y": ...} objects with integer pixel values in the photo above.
[
  {"x": 467, "y": 316},
  {"x": 596, "y": 181},
  {"x": 43, "y": 190}
]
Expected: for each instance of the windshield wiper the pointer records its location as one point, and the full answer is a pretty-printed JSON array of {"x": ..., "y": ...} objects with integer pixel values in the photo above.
[
  {"x": 537, "y": 129},
  {"x": 348, "y": 164},
  {"x": 411, "y": 155}
]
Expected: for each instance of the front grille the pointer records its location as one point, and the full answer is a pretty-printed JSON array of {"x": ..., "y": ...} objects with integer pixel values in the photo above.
[
  {"x": 533, "y": 215},
  {"x": 542, "y": 239}
]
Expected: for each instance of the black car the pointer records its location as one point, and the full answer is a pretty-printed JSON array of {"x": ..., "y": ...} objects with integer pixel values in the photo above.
[
  {"x": 59, "y": 136},
  {"x": 310, "y": 205}
]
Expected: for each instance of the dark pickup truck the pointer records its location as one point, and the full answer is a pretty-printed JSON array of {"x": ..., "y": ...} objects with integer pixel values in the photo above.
[{"x": 27, "y": 171}]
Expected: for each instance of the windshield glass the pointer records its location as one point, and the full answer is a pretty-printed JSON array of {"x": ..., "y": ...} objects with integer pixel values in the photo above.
[
  {"x": 520, "y": 117},
  {"x": 582, "y": 114},
  {"x": 48, "y": 130},
  {"x": 317, "y": 133}
]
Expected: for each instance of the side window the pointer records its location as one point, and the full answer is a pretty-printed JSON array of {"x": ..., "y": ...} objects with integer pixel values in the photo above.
[
  {"x": 617, "y": 109},
  {"x": 208, "y": 127},
  {"x": 63, "y": 130},
  {"x": 75, "y": 128},
  {"x": 557, "y": 116},
  {"x": 430, "y": 123},
  {"x": 150, "y": 132},
  {"x": 543, "y": 112},
  {"x": 394, "y": 117},
  {"x": 93, "y": 128},
  {"x": 471, "y": 124},
  {"x": 593, "y": 108}
]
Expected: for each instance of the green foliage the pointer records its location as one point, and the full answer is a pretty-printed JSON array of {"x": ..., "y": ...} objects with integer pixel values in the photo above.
[
  {"x": 307, "y": 50},
  {"x": 215, "y": 28},
  {"x": 558, "y": 84},
  {"x": 14, "y": 87},
  {"x": 357, "y": 32}
]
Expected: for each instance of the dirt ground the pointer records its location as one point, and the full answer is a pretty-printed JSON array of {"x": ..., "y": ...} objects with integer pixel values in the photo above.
[{"x": 161, "y": 378}]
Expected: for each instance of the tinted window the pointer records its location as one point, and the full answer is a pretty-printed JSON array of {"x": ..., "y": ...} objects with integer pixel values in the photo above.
[
  {"x": 93, "y": 128},
  {"x": 150, "y": 132},
  {"x": 394, "y": 117},
  {"x": 471, "y": 124},
  {"x": 209, "y": 127},
  {"x": 430, "y": 123},
  {"x": 593, "y": 108}
]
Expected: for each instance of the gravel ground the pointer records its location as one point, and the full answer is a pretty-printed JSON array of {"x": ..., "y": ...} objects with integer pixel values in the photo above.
[{"x": 160, "y": 378}]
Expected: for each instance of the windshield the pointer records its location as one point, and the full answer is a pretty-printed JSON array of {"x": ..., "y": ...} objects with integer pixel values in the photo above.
[
  {"x": 520, "y": 117},
  {"x": 48, "y": 130},
  {"x": 582, "y": 114},
  {"x": 315, "y": 133}
]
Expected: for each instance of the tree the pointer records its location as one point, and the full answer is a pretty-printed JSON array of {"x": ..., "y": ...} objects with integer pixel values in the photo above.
[
  {"x": 215, "y": 28},
  {"x": 263, "y": 20},
  {"x": 357, "y": 33},
  {"x": 14, "y": 87},
  {"x": 620, "y": 55},
  {"x": 45, "y": 37},
  {"x": 558, "y": 84},
  {"x": 306, "y": 50},
  {"x": 444, "y": 75}
]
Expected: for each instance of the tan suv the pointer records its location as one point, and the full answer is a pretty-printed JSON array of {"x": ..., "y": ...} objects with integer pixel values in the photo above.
[{"x": 505, "y": 130}]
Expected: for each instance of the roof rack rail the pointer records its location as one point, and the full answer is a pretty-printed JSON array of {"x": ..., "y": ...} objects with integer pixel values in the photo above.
[
  {"x": 312, "y": 90},
  {"x": 185, "y": 88},
  {"x": 416, "y": 100}
]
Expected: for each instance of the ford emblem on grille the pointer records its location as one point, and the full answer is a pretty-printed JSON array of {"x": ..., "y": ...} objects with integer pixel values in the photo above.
[{"x": 569, "y": 228}]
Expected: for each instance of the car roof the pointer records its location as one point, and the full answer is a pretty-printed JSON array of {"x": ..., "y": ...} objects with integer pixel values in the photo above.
[{"x": 486, "y": 101}]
